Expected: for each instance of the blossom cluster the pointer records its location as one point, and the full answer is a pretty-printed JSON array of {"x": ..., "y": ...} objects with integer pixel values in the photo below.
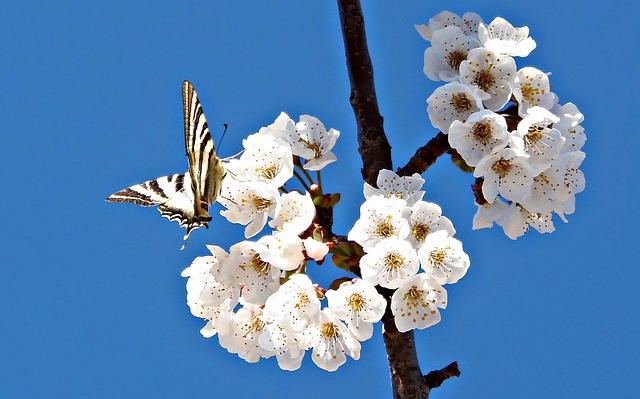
[
  {"x": 400, "y": 234},
  {"x": 257, "y": 298},
  {"x": 504, "y": 122}
]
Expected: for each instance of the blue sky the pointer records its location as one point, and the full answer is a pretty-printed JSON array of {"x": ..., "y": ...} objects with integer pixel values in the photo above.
[{"x": 91, "y": 299}]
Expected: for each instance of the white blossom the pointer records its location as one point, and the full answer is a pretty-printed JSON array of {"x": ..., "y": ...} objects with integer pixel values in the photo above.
[
  {"x": 468, "y": 23},
  {"x": 248, "y": 203},
  {"x": 507, "y": 173},
  {"x": 313, "y": 142},
  {"x": 315, "y": 249},
  {"x": 380, "y": 218},
  {"x": 285, "y": 345},
  {"x": 257, "y": 277},
  {"x": 295, "y": 305},
  {"x": 532, "y": 89},
  {"x": 391, "y": 185},
  {"x": 210, "y": 284},
  {"x": 285, "y": 250},
  {"x": 359, "y": 305},
  {"x": 265, "y": 159},
  {"x": 570, "y": 126},
  {"x": 415, "y": 304},
  {"x": 389, "y": 263},
  {"x": 573, "y": 180},
  {"x": 548, "y": 188},
  {"x": 518, "y": 219},
  {"x": 426, "y": 218},
  {"x": 294, "y": 212},
  {"x": 218, "y": 320},
  {"x": 282, "y": 128},
  {"x": 537, "y": 138},
  {"x": 490, "y": 72},
  {"x": 483, "y": 133},
  {"x": 453, "y": 101},
  {"x": 449, "y": 47},
  {"x": 443, "y": 259},
  {"x": 331, "y": 341},
  {"x": 489, "y": 213},
  {"x": 500, "y": 36},
  {"x": 247, "y": 325}
]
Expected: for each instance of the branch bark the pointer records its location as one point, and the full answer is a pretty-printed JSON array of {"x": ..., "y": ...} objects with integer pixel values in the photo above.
[
  {"x": 426, "y": 155},
  {"x": 373, "y": 145}
]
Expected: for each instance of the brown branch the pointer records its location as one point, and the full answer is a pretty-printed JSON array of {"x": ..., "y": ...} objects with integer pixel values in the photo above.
[
  {"x": 373, "y": 145},
  {"x": 426, "y": 155},
  {"x": 435, "y": 378},
  {"x": 477, "y": 191},
  {"x": 407, "y": 380}
]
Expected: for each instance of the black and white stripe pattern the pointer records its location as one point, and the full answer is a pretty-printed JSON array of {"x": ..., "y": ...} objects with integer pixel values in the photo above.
[{"x": 185, "y": 197}]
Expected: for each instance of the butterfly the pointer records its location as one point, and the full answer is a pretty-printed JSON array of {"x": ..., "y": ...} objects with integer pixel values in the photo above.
[{"x": 184, "y": 197}]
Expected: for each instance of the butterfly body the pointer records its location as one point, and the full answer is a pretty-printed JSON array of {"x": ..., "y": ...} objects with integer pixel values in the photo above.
[{"x": 184, "y": 197}]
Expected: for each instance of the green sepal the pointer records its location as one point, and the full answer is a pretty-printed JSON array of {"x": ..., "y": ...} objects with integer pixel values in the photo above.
[
  {"x": 346, "y": 256},
  {"x": 460, "y": 163}
]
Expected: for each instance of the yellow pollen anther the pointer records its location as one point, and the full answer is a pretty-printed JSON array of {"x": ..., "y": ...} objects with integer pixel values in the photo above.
[
  {"x": 260, "y": 203},
  {"x": 269, "y": 172},
  {"x": 420, "y": 231},
  {"x": 329, "y": 331},
  {"x": 502, "y": 167},
  {"x": 394, "y": 260},
  {"x": 484, "y": 79},
  {"x": 385, "y": 230},
  {"x": 303, "y": 300},
  {"x": 260, "y": 266},
  {"x": 455, "y": 58},
  {"x": 461, "y": 102},
  {"x": 437, "y": 256},
  {"x": 356, "y": 302},
  {"x": 481, "y": 132}
]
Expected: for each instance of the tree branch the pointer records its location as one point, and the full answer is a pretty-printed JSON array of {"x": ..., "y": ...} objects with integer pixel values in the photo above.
[
  {"x": 407, "y": 380},
  {"x": 373, "y": 145},
  {"x": 426, "y": 155},
  {"x": 435, "y": 378}
]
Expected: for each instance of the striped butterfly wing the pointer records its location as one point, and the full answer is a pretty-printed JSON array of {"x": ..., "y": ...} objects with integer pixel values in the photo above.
[
  {"x": 205, "y": 168},
  {"x": 173, "y": 195},
  {"x": 185, "y": 197}
]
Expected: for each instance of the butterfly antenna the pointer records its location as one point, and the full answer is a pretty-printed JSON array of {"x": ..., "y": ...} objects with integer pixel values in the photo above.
[{"x": 222, "y": 137}]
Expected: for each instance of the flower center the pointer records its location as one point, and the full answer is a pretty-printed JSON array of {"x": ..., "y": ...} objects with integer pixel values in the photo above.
[
  {"x": 303, "y": 300},
  {"x": 394, "y": 260},
  {"x": 329, "y": 331},
  {"x": 437, "y": 256},
  {"x": 255, "y": 326},
  {"x": 261, "y": 204},
  {"x": 502, "y": 167},
  {"x": 356, "y": 302},
  {"x": 414, "y": 293},
  {"x": 420, "y": 231},
  {"x": 260, "y": 266},
  {"x": 385, "y": 230},
  {"x": 535, "y": 133},
  {"x": 317, "y": 151},
  {"x": 481, "y": 132},
  {"x": 484, "y": 79},
  {"x": 530, "y": 93},
  {"x": 461, "y": 102},
  {"x": 455, "y": 58},
  {"x": 268, "y": 172}
]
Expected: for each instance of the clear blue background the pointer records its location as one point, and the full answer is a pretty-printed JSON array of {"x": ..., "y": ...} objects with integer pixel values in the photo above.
[{"x": 91, "y": 299}]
